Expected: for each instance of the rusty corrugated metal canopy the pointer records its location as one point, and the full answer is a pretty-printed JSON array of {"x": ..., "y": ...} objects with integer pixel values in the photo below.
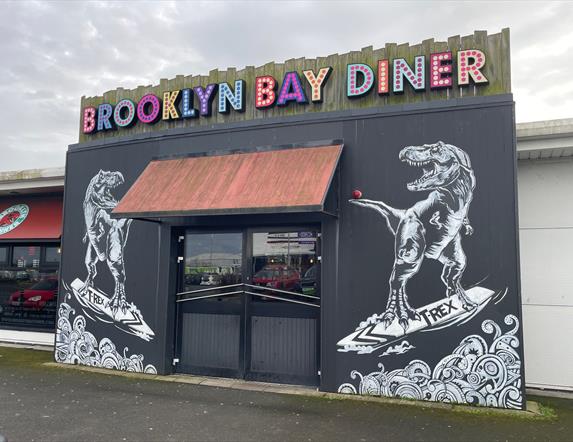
[{"x": 293, "y": 180}]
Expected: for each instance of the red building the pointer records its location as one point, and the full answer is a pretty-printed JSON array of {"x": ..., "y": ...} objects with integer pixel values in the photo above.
[{"x": 30, "y": 231}]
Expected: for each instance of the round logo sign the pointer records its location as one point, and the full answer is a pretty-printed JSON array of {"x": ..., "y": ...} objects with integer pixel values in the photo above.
[{"x": 12, "y": 217}]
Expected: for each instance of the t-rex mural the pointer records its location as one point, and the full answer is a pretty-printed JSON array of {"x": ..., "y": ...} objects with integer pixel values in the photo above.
[
  {"x": 431, "y": 227},
  {"x": 106, "y": 237}
]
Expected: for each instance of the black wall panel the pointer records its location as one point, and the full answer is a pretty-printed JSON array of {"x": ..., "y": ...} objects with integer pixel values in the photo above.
[{"x": 357, "y": 247}]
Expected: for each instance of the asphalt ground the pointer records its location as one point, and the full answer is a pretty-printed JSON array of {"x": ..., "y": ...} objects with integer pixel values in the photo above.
[{"x": 57, "y": 404}]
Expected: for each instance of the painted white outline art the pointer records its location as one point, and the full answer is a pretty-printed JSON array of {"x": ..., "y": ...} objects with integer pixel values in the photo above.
[
  {"x": 75, "y": 345},
  {"x": 106, "y": 239},
  {"x": 431, "y": 228},
  {"x": 476, "y": 373}
]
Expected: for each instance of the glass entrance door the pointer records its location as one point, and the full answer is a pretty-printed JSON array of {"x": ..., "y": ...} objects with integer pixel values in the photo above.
[
  {"x": 211, "y": 305},
  {"x": 284, "y": 306},
  {"x": 249, "y": 305}
]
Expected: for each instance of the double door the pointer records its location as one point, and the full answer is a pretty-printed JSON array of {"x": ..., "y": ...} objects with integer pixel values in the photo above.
[{"x": 249, "y": 304}]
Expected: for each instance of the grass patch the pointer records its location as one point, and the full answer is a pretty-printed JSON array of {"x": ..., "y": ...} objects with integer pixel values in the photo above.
[
  {"x": 547, "y": 412},
  {"x": 24, "y": 357}
]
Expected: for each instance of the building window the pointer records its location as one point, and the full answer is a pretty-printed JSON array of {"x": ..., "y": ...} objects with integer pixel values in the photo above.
[
  {"x": 52, "y": 255},
  {"x": 29, "y": 286},
  {"x": 26, "y": 257}
]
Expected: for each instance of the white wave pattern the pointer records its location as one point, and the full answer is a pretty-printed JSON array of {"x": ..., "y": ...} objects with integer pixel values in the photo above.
[
  {"x": 398, "y": 349},
  {"x": 76, "y": 345},
  {"x": 475, "y": 373}
]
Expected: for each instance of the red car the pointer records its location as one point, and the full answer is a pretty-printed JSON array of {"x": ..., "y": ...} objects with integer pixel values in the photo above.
[
  {"x": 278, "y": 276},
  {"x": 36, "y": 297}
]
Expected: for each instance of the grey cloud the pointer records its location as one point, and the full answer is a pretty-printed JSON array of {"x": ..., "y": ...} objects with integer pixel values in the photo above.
[{"x": 55, "y": 52}]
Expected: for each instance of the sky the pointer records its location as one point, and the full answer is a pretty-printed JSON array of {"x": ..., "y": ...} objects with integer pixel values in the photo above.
[{"x": 52, "y": 53}]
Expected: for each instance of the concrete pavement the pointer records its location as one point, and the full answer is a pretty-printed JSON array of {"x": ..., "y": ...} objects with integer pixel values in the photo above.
[{"x": 39, "y": 402}]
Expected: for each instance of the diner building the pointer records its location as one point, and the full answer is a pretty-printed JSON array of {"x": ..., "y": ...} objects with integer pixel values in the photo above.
[
  {"x": 347, "y": 222},
  {"x": 544, "y": 165}
]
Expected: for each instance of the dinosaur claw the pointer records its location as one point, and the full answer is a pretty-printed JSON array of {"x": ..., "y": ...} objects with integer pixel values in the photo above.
[
  {"x": 468, "y": 305},
  {"x": 404, "y": 323},
  {"x": 86, "y": 286},
  {"x": 387, "y": 318}
]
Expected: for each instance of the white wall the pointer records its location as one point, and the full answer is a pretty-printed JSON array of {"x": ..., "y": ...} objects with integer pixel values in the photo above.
[
  {"x": 546, "y": 241},
  {"x": 27, "y": 337}
]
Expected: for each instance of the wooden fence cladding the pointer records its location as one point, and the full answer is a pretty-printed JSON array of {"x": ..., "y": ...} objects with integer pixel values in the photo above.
[{"x": 496, "y": 69}]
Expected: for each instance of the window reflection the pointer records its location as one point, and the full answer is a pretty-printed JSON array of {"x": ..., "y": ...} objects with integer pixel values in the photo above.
[
  {"x": 52, "y": 255},
  {"x": 26, "y": 257},
  {"x": 286, "y": 261},
  {"x": 28, "y": 287},
  {"x": 212, "y": 260}
]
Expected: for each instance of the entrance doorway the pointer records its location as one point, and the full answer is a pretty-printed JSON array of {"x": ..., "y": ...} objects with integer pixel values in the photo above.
[{"x": 249, "y": 304}]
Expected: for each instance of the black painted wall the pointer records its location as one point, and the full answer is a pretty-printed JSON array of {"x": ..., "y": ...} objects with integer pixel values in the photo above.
[{"x": 357, "y": 247}]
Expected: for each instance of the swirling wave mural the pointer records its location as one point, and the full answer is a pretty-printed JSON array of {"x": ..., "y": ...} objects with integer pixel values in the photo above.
[
  {"x": 76, "y": 345},
  {"x": 475, "y": 373}
]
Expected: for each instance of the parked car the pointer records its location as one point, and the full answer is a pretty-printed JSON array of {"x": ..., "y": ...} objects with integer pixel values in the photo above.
[
  {"x": 7, "y": 274},
  {"x": 308, "y": 281},
  {"x": 37, "y": 297},
  {"x": 193, "y": 279},
  {"x": 278, "y": 276},
  {"x": 210, "y": 279},
  {"x": 22, "y": 276}
]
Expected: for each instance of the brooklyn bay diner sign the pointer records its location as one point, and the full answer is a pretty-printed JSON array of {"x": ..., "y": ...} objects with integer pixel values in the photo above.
[{"x": 259, "y": 91}]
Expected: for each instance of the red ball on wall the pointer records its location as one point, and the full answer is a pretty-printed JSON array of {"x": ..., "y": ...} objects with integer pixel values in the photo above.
[{"x": 357, "y": 194}]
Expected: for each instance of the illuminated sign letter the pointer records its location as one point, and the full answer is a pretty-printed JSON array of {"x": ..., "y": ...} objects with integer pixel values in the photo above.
[
  {"x": 124, "y": 113},
  {"x": 170, "y": 112},
  {"x": 265, "y": 91},
  {"x": 354, "y": 86},
  {"x": 147, "y": 101},
  {"x": 291, "y": 89},
  {"x": 187, "y": 110},
  {"x": 416, "y": 78},
  {"x": 317, "y": 82},
  {"x": 441, "y": 70},
  {"x": 104, "y": 112},
  {"x": 205, "y": 98},
  {"x": 383, "y": 86},
  {"x": 469, "y": 64},
  {"x": 237, "y": 99},
  {"x": 89, "y": 122}
]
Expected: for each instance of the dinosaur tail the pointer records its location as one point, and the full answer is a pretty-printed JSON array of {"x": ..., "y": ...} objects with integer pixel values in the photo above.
[
  {"x": 124, "y": 225},
  {"x": 393, "y": 216}
]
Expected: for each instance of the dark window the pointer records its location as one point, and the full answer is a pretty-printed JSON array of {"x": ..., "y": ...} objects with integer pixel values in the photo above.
[
  {"x": 52, "y": 255},
  {"x": 26, "y": 257},
  {"x": 212, "y": 259},
  {"x": 284, "y": 261},
  {"x": 28, "y": 286},
  {"x": 46, "y": 284}
]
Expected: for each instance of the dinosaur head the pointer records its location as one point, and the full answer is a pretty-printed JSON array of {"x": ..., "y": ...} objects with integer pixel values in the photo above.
[
  {"x": 441, "y": 164},
  {"x": 101, "y": 186}
]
